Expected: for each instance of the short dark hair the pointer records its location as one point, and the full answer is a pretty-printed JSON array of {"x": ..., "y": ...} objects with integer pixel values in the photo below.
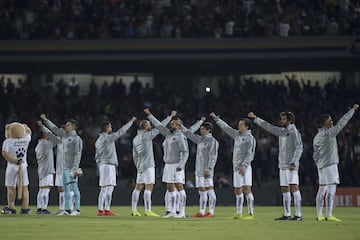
[
  {"x": 74, "y": 122},
  {"x": 207, "y": 126},
  {"x": 104, "y": 125},
  {"x": 247, "y": 122},
  {"x": 289, "y": 116},
  {"x": 176, "y": 118},
  {"x": 323, "y": 119}
]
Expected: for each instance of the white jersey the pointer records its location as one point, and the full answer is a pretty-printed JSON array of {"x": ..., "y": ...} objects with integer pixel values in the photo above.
[{"x": 17, "y": 147}]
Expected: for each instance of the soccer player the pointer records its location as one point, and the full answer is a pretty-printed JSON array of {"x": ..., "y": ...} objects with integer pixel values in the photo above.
[
  {"x": 107, "y": 162},
  {"x": 243, "y": 155},
  {"x": 206, "y": 157},
  {"x": 290, "y": 150},
  {"x": 143, "y": 156},
  {"x": 326, "y": 158},
  {"x": 73, "y": 145},
  {"x": 176, "y": 153},
  {"x": 58, "y": 174},
  {"x": 45, "y": 159},
  {"x": 14, "y": 150}
]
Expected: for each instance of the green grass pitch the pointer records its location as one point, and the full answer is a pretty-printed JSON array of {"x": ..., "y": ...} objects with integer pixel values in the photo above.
[{"x": 89, "y": 226}]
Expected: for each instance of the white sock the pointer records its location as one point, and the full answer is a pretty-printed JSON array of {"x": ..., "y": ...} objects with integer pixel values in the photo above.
[
  {"x": 320, "y": 200},
  {"x": 108, "y": 198},
  {"x": 61, "y": 200},
  {"x": 177, "y": 200},
  {"x": 330, "y": 195},
  {"x": 182, "y": 202},
  {"x": 147, "y": 200},
  {"x": 101, "y": 199},
  {"x": 45, "y": 202},
  {"x": 39, "y": 199},
  {"x": 239, "y": 203},
  {"x": 287, "y": 204},
  {"x": 212, "y": 200},
  {"x": 250, "y": 203},
  {"x": 203, "y": 201},
  {"x": 297, "y": 203},
  {"x": 135, "y": 199},
  {"x": 171, "y": 202},
  {"x": 166, "y": 201}
]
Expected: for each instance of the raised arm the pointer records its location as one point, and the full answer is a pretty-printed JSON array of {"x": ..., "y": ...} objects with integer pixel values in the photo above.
[
  {"x": 52, "y": 126},
  {"x": 157, "y": 124},
  {"x": 121, "y": 131},
  {"x": 265, "y": 125},
  {"x": 154, "y": 132},
  {"x": 197, "y": 125},
  {"x": 224, "y": 126},
  {"x": 54, "y": 139},
  {"x": 334, "y": 130},
  {"x": 190, "y": 135}
]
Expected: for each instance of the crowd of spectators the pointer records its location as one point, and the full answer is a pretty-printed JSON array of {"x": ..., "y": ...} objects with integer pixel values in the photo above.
[
  {"x": 60, "y": 101},
  {"x": 113, "y": 19}
]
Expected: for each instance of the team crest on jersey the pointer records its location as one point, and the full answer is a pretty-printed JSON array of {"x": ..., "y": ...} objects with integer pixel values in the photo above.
[
  {"x": 174, "y": 138},
  {"x": 243, "y": 139}
]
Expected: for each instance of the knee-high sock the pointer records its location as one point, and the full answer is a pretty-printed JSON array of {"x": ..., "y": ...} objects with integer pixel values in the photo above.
[
  {"x": 101, "y": 199},
  {"x": 239, "y": 203},
  {"x": 182, "y": 202},
  {"x": 287, "y": 203},
  {"x": 108, "y": 198},
  {"x": 135, "y": 199},
  {"x": 297, "y": 203},
  {"x": 166, "y": 201},
  {"x": 61, "y": 200},
  {"x": 203, "y": 201},
  {"x": 330, "y": 195},
  {"x": 212, "y": 200},
  {"x": 77, "y": 195},
  {"x": 72, "y": 197},
  {"x": 320, "y": 200},
  {"x": 39, "y": 199},
  {"x": 177, "y": 200},
  {"x": 45, "y": 197},
  {"x": 147, "y": 200},
  {"x": 250, "y": 203},
  {"x": 171, "y": 202}
]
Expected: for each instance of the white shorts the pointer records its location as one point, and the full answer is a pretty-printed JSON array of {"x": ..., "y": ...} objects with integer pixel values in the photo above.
[
  {"x": 240, "y": 180},
  {"x": 203, "y": 182},
  {"x": 329, "y": 175},
  {"x": 11, "y": 175},
  {"x": 147, "y": 176},
  {"x": 170, "y": 175},
  {"x": 107, "y": 175},
  {"x": 288, "y": 177},
  {"x": 46, "y": 181},
  {"x": 58, "y": 180}
]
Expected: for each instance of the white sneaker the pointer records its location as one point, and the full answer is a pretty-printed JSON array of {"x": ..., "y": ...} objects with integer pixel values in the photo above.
[
  {"x": 169, "y": 215},
  {"x": 180, "y": 216},
  {"x": 75, "y": 213},
  {"x": 60, "y": 212}
]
